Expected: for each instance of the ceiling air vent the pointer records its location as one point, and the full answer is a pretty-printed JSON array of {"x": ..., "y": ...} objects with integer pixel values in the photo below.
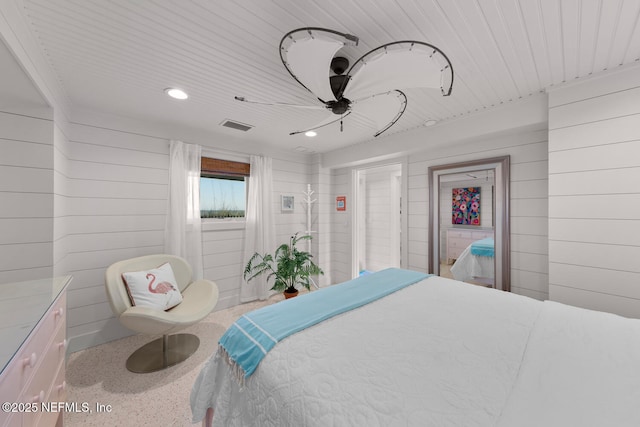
[{"x": 235, "y": 125}]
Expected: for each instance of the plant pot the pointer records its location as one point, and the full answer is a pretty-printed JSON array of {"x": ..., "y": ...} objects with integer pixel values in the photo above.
[{"x": 288, "y": 295}]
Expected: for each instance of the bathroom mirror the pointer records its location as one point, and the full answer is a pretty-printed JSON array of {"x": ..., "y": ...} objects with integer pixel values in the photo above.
[{"x": 469, "y": 222}]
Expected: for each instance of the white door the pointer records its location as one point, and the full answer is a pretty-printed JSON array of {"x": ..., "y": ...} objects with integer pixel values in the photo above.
[{"x": 377, "y": 218}]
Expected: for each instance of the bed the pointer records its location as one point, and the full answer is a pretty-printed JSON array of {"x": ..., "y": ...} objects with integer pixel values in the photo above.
[
  {"x": 476, "y": 263},
  {"x": 438, "y": 352}
]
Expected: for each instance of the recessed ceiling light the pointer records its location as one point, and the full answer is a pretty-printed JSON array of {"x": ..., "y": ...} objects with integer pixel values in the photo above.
[
  {"x": 310, "y": 133},
  {"x": 430, "y": 122},
  {"x": 176, "y": 93}
]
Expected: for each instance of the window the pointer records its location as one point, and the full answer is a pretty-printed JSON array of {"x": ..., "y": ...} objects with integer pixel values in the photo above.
[{"x": 223, "y": 189}]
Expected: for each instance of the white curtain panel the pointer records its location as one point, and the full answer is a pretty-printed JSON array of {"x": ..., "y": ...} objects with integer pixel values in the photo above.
[
  {"x": 183, "y": 231},
  {"x": 260, "y": 225}
]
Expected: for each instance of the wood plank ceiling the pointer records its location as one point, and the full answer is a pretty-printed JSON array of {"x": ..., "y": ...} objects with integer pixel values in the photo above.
[{"x": 117, "y": 56}]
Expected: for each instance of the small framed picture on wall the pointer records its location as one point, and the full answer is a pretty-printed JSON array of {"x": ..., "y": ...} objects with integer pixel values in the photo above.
[
  {"x": 287, "y": 203},
  {"x": 341, "y": 203}
]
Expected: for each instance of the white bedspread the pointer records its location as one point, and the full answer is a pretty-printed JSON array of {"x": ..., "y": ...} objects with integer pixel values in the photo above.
[
  {"x": 581, "y": 368},
  {"x": 468, "y": 266},
  {"x": 438, "y": 353}
]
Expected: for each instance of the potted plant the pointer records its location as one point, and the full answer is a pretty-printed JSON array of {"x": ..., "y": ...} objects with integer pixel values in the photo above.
[{"x": 289, "y": 267}]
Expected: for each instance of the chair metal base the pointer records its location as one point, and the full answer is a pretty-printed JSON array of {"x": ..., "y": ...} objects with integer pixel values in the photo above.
[{"x": 162, "y": 353}]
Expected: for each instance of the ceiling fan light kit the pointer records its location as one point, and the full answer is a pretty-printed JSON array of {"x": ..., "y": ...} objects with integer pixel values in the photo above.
[{"x": 371, "y": 88}]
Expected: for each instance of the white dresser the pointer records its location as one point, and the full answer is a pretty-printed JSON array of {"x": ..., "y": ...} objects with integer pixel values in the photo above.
[
  {"x": 459, "y": 238},
  {"x": 32, "y": 351}
]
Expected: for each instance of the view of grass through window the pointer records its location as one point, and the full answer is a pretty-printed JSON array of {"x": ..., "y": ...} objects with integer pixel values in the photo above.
[{"x": 222, "y": 197}]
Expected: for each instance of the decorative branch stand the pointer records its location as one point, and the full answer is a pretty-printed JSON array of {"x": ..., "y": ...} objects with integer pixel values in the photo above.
[{"x": 307, "y": 199}]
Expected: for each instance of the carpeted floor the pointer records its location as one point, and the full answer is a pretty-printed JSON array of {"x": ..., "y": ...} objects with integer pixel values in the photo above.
[{"x": 97, "y": 376}]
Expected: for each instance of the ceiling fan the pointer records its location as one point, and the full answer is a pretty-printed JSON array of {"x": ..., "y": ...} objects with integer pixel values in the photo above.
[{"x": 370, "y": 88}]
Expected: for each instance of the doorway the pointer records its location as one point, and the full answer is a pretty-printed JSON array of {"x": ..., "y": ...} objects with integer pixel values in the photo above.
[{"x": 378, "y": 219}]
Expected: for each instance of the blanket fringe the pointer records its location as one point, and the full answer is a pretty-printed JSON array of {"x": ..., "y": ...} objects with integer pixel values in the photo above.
[{"x": 236, "y": 369}]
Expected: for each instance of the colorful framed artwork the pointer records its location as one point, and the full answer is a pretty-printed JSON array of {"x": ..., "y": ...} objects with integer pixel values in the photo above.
[
  {"x": 341, "y": 203},
  {"x": 465, "y": 204}
]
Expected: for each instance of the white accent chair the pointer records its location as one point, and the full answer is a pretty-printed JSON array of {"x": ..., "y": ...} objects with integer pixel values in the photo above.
[{"x": 199, "y": 299}]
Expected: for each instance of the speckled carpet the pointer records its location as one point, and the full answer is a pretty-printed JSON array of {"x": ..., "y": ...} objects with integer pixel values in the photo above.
[{"x": 98, "y": 376}]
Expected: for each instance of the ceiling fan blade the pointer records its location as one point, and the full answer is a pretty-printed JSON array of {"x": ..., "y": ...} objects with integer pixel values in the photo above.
[
  {"x": 381, "y": 108},
  {"x": 282, "y": 104},
  {"x": 307, "y": 53},
  {"x": 400, "y": 65},
  {"x": 331, "y": 119}
]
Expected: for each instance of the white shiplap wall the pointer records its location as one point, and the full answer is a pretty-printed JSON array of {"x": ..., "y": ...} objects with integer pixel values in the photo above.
[
  {"x": 114, "y": 208},
  {"x": 528, "y": 153},
  {"x": 341, "y": 234},
  {"x": 321, "y": 183},
  {"x": 113, "y": 191},
  {"x": 222, "y": 252},
  {"x": 290, "y": 178},
  {"x": 26, "y": 197},
  {"x": 594, "y": 200},
  {"x": 61, "y": 190}
]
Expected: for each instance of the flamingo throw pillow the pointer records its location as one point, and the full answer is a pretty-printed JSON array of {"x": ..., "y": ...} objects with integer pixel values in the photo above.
[{"x": 156, "y": 288}]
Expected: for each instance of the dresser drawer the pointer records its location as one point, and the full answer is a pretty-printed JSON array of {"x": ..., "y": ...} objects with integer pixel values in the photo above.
[
  {"x": 10, "y": 386},
  {"x": 37, "y": 367},
  {"x": 459, "y": 239},
  {"x": 59, "y": 388},
  {"x": 453, "y": 254},
  {"x": 26, "y": 360},
  {"x": 463, "y": 234},
  {"x": 14, "y": 420},
  {"x": 45, "y": 373},
  {"x": 40, "y": 386},
  {"x": 37, "y": 343},
  {"x": 57, "y": 393},
  {"x": 459, "y": 243},
  {"x": 479, "y": 235}
]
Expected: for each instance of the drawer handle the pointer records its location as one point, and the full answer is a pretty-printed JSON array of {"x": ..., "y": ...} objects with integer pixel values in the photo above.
[
  {"x": 30, "y": 361},
  {"x": 59, "y": 312},
  {"x": 62, "y": 345},
  {"x": 61, "y": 387},
  {"x": 38, "y": 398}
]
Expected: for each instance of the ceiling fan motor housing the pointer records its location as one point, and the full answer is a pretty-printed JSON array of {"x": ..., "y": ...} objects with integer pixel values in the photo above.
[
  {"x": 339, "y": 64},
  {"x": 340, "y": 106},
  {"x": 338, "y": 83}
]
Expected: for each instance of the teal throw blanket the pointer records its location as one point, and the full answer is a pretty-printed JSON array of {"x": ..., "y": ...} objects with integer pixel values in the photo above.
[
  {"x": 249, "y": 339},
  {"x": 483, "y": 247}
]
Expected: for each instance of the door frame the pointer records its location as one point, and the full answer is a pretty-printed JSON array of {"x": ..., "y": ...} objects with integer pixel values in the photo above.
[{"x": 356, "y": 211}]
